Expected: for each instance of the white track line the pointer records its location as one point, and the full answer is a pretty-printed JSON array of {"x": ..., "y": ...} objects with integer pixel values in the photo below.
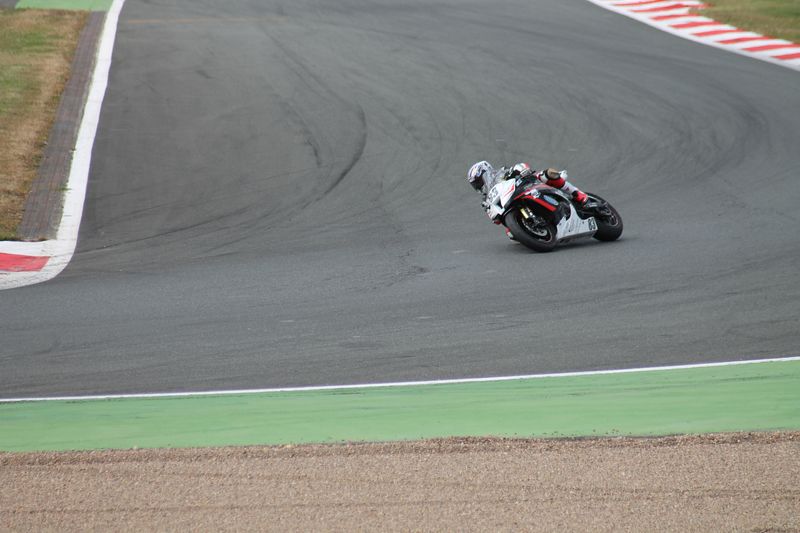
[
  {"x": 61, "y": 249},
  {"x": 398, "y": 384}
]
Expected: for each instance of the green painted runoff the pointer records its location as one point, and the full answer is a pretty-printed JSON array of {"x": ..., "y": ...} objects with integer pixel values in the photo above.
[
  {"x": 84, "y": 5},
  {"x": 752, "y": 397}
]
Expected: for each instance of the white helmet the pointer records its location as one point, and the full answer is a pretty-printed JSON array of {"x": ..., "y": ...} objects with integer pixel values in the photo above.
[{"x": 476, "y": 172}]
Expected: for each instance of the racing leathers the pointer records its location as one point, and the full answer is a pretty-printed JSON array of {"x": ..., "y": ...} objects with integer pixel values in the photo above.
[{"x": 550, "y": 176}]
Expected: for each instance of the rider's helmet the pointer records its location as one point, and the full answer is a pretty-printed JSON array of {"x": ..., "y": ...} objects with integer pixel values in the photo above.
[{"x": 476, "y": 173}]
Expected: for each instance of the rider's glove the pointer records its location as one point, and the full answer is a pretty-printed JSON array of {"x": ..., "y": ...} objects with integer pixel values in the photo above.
[
  {"x": 519, "y": 170},
  {"x": 580, "y": 197}
]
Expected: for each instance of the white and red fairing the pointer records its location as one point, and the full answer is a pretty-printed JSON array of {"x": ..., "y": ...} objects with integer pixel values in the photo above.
[
  {"x": 505, "y": 191},
  {"x": 568, "y": 224}
]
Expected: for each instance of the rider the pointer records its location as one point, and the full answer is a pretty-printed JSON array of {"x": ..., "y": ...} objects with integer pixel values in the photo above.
[{"x": 482, "y": 176}]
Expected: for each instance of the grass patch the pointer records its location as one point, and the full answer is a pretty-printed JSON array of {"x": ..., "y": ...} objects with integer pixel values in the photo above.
[
  {"x": 86, "y": 5},
  {"x": 36, "y": 49},
  {"x": 773, "y": 18}
]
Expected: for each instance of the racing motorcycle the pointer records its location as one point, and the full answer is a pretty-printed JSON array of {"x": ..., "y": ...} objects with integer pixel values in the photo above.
[{"x": 540, "y": 216}]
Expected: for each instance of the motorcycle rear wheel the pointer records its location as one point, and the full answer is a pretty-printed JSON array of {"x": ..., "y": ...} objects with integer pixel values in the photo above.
[
  {"x": 535, "y": 232},
  {"x": 609, "y": 222}
]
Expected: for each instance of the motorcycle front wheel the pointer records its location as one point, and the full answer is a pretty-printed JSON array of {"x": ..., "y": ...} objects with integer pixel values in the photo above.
[{"x": 534, "y": 232}]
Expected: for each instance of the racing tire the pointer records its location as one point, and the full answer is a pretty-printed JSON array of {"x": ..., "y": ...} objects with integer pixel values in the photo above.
[
  {"x": 539, "y": 234},
  {"x": 609, "y": 222}
]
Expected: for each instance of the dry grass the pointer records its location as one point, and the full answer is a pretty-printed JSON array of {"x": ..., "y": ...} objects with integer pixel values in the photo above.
[
  {"x": 36, "y": 49},
  {"x": 774, "y": 18}
]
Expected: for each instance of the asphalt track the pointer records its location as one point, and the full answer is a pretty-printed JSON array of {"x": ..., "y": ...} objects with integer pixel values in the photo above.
[{"x": 276, "y": 199}]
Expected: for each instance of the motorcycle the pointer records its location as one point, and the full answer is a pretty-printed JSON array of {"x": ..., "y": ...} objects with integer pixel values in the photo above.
[{"x": 541, "y": 217}]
